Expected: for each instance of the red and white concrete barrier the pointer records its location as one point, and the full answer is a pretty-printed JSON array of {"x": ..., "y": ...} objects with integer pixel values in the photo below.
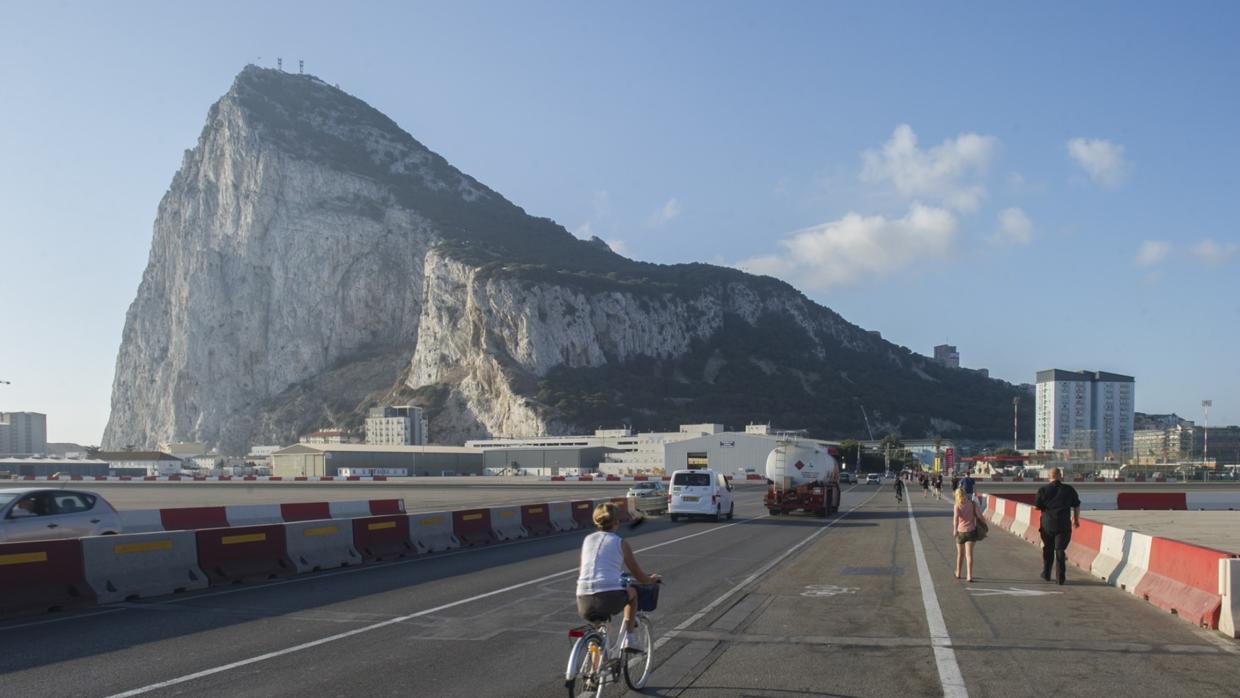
[{"x": 1195, "y": 582}]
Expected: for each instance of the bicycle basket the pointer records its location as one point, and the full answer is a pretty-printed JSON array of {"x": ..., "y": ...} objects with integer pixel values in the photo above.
[{"x": 647, "y": 596}]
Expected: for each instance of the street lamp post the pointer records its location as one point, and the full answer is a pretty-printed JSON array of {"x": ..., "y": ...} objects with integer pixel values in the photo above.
[{"x": 1205, "y": 435}]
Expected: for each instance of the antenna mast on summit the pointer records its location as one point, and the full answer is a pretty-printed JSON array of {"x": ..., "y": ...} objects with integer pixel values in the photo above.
[
  {"x": 301, "y": 66},
  {"x": 280, "y": 64}
]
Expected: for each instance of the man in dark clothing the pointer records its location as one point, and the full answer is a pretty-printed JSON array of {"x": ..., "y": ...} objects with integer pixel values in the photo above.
[{"x": 1061, "y": 512}]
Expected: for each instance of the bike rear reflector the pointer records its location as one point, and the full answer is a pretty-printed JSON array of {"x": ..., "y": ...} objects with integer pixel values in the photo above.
[{"x": 576, "y": 632}]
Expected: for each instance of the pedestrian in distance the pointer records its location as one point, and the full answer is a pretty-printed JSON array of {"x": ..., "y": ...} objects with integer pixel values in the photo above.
[
  {"x": 964, "y": 528},
  {"x": 1061, "y": 512},
  {"x": 968, "y": 483},
  {"x": 899, "y": 491}
]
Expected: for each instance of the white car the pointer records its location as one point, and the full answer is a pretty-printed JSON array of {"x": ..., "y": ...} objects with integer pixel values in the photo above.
[
  {"x": 873, "y": 479},
  {"x": 701, "y": 492},
  {"x": 28, "y": 513}
]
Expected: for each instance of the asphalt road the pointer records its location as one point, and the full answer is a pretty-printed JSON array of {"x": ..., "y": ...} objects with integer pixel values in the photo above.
[{"x": 761, "y": 606}]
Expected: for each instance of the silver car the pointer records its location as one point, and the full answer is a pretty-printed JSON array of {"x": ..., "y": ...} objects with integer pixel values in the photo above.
[
  {"x": 30, "y": 513},
  {"x": 649, "y": 488}
]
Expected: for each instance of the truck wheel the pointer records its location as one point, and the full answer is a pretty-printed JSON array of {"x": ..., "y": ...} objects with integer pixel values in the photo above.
[
  {"x": 731, "y": 511},
  {"x": 773, "y": 512},
  {"x": 718, "y": 512},
  {"x": 674, "y": 517},
  {"x": 822, "y": 513}
]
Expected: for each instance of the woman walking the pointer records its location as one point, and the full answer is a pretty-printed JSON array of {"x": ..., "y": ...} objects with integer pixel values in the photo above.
[{"x": 964, "y": 527}]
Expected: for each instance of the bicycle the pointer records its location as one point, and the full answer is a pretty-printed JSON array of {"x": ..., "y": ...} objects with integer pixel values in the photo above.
[{"x": 597, "y": 658}]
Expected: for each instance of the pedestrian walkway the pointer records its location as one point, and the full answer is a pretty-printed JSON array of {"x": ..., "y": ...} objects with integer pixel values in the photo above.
[{"x": 847, "y": 616}]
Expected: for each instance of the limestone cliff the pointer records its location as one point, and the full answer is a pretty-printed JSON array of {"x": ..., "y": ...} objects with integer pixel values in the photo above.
[{"x": 311, "y": 258}]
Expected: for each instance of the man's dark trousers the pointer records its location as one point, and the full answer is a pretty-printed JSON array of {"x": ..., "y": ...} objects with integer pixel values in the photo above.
[{"x": 1055, "y": 549}]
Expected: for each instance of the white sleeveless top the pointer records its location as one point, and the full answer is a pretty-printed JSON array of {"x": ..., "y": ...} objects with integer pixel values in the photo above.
[{"x": 602, "y": 562}]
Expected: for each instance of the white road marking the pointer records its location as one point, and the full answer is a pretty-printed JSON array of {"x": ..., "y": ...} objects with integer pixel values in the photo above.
[
  {"x": 62, "y": 619},
  {"x": 1010, "y": 591},
  {"x": 671, "y": 634},
  {"x": 827, "y": 590},
  {"x": 944, "y": 655},
  {"x": 391, "y": 621}
]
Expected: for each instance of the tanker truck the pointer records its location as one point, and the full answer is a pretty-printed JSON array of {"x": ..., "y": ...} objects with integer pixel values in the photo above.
[{"x": 802, "y": 475}]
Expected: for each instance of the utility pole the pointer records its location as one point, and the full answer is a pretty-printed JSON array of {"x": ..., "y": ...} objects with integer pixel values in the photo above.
[{"x": 1205, "y": 434}]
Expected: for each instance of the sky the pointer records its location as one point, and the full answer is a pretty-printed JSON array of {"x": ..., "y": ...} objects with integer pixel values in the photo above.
[{"x": 1042, "y": 185}]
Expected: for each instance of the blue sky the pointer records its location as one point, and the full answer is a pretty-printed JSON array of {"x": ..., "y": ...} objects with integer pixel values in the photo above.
[{"x": 1045, "y": 187}]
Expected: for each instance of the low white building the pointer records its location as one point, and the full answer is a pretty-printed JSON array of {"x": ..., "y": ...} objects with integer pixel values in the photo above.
[
  {"x": 631, "y": 454},
  {"x": 141, "y": 462}
]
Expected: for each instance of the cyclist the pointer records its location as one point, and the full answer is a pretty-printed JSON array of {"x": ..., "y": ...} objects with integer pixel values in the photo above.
[
  {"x": 899, "y": 490},
  {"x": 599, "y": 589}
]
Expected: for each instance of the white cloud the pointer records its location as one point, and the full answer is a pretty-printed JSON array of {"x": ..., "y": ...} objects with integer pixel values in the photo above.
[
  {"x": 1213, "y": 253},
  {"x": 1014, "y": 228},
  {"x": 585, "y": 231},
  {"x": 859, "y": 248},
  {"x": 1101, "y": 159},
  {"x": 666, "y": 213},
  {"x": 948, "y": 172},
  {"x": 1152, "y": 252}
]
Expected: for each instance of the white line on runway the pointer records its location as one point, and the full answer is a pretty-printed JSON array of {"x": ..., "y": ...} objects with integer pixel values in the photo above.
[
  {"x": 62, "y": 619},
  {"x": 671, "y": 634},
  {"x": 393, "y": 621},
  {"x": 944, "y": 655}
]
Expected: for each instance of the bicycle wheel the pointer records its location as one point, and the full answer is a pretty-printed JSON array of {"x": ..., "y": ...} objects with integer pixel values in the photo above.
[
  {"x": 637, "y": 665},
  {"x": 588, "y": 679}
]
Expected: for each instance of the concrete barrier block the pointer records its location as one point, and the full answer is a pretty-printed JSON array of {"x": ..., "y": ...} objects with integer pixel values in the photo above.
[
  {"x": 42, "y": 576},
  {"x": 139, "y": 565},
  {"x": 583, "y": 513},
  {"x": 561, "y": 514},
  {"x": 536, "y": 519},
  {"x": 432, "y": 532},
  {"x": 383, "y": 537},
  {"x": 349, "y": 509},
  {"x": 473, "y": 527},
  {"x": 321, "y": 544},
  {"x": 1136, "y": 562},
  {"x": 192, "y": 518},
  {"x": 1229, "y": 590},
  {"x": 244, "y": 554},
  {"x": 1183, "y": 578},
  {"x": 253, "y": 514},
  {"x": 140, "y": 521},
  {"x": 1112, "y": 554},
  {"x": 506, "y": 523}
]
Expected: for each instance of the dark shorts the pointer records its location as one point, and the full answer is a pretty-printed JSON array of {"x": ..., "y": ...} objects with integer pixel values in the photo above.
[
  {"x": 966, "y": 537},
  {"x": 604, "y": 603}
]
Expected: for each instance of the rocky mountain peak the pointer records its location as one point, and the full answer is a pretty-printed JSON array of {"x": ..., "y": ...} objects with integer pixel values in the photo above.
[{"x": 311, "y": 259}]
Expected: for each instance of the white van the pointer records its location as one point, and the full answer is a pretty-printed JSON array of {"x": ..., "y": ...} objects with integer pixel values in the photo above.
[{"x": 701, "y": 492}]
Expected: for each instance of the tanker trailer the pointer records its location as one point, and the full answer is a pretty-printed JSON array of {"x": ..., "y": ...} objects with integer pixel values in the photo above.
[{"x": 802, "y": 475}]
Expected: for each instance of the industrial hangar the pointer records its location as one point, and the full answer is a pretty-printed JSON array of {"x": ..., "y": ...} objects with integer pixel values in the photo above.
[{"x": 321, "y": 460}]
